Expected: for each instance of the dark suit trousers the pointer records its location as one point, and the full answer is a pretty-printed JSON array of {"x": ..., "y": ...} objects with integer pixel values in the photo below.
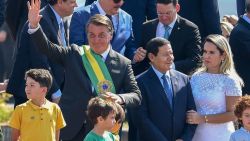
[{"x": 79, "y": 136}]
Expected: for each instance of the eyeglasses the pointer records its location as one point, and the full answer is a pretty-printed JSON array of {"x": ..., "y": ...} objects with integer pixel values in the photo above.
[
  {"x": 100, "y": 36},
  {"x": 117, "y": 1},
  {"x": 169, "y": 13}
]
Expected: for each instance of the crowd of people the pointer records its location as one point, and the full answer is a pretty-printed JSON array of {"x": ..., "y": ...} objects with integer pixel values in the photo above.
[{"x": 176, "y": 71}]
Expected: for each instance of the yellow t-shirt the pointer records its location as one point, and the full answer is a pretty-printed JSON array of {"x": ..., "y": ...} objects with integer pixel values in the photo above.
[{"x": 37, "y": 123}]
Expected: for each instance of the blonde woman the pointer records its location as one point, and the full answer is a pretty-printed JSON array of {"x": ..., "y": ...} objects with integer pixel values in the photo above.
[{"x": 216, "y": 87}]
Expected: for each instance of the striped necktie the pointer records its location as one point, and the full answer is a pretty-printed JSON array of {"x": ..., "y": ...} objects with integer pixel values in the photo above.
[
  {"x": 167, "y": 29},
  {"x": 62, "y": 34},
  {"x": 110, "y": 18}
]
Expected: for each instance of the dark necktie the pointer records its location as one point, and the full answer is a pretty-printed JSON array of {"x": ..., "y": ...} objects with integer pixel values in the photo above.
[
  {"x": 110, "y": 18},
  {"x": 168, "y": 88}
]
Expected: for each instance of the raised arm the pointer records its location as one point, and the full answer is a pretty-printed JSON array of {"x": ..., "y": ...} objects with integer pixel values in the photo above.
[
  {"x": 53, "y": 51},
  {"x": 34, "y": 16}
]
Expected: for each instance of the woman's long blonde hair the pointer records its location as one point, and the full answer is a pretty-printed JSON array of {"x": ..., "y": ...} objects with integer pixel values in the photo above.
[{"x": 227, "y": 65}]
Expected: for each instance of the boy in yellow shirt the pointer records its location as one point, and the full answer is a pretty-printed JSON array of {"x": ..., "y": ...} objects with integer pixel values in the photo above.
[{"x": 37, "y": 119}]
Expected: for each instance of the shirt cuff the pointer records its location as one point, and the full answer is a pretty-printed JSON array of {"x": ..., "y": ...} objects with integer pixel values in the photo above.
[
  {"x": 31, "y": 31},
  {"x": 57, "y": 94},
  {"x": 123, "y": 101}
]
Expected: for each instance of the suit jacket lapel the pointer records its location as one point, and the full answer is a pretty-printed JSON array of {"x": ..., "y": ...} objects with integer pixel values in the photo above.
[
  {"x": 158, "y": 88},
  {"x": 174, "y": 82},
  {"x": 154, "y": 27},
  {"x": 121, "y": 25},
  {"x": 93, "y": 9},
  {"x": 111, "y": 63},
  {"x": 244, "y": 22},
  {"x": 110, "y": 60},
  {"x": 52, "y": 17},
  {"x": 175, "y": 29}
]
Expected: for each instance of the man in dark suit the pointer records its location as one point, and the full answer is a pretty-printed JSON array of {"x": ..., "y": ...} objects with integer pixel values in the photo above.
[
  {"x": 241, "y": 6},
  {"x": 183, "y": 35},
  {"x": 2, "y": 10},
  {"x": 166, "y": 97},
  {"x": 29, "y": 57},
  {"x": 123, "y": 39},
  {"x": 204, "y": 13},
  {"x": 240, "y": 43},
  {"x": 78, "y": 87}
]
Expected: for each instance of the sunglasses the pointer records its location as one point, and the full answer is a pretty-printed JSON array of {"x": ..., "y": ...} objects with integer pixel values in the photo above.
[{"x": 117, "y": 1}]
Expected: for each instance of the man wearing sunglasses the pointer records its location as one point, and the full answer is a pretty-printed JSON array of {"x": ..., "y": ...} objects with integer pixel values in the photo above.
[{"x": 122, "y": 40}]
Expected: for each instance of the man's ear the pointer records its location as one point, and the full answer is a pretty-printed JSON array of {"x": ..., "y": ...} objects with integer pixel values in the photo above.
[
  {"x": 178, "y": 7},
  {"x": 151, "y": 57}
]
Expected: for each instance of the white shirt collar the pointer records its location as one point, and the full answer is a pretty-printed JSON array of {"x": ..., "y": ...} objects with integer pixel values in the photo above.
[
  {"x": 105, "y": 53},
  {"x": 101, "y": 11},
  {"x": 159, "y": 74},
  {"x": 171, "y": 24},
  {"x": 161, "y": 29}
]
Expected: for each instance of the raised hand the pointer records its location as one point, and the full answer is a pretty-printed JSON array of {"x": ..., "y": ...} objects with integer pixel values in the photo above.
[{"x": 33, "y": 15}]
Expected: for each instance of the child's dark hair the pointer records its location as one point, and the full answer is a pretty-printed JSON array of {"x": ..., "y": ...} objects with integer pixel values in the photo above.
[
  {"x": 242, "y": 104},
  {"x": 100, "y": 107},
  {"x": 42, "y": 76},
  {"x": 120, "y": 116}
]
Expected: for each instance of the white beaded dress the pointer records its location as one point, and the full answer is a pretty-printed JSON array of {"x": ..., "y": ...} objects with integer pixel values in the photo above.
[{"x": 210, "y": 91}]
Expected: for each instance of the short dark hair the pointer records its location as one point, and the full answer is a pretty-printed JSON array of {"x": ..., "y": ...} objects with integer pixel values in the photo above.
[
  {"x": 120, "y": 116},
  {"x": 100, "y": 20},
  {"x": 154, "y": 44},
  {"x": 42, "y": 76},
  {"x": 174, "y": 2},
  {"x": 53, "y": 2},
  {"x": 242, "y": 104},
  {"x": 99, "y": 107}
]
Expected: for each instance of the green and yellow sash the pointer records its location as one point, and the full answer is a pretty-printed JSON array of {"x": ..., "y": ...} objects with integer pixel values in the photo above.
[{"x": 97, "y": 71}]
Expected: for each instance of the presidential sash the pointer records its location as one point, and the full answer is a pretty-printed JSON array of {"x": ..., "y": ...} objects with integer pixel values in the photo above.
[{"x": 97, "y": 71}]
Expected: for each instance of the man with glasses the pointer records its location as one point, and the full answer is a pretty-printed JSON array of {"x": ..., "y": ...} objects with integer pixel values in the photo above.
[
  {"x": 94, "y": 70},
  {"x": 147, "y": 11},
  {"x": 183, "y": 35},
  {"x": 122, "y": 41}
]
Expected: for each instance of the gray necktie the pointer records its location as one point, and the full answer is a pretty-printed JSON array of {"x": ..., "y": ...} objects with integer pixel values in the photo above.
[
  {"x": 167, "y": 29},
  {"x": 62, "y": 34},
  {"x": 168, "y": 88}
]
